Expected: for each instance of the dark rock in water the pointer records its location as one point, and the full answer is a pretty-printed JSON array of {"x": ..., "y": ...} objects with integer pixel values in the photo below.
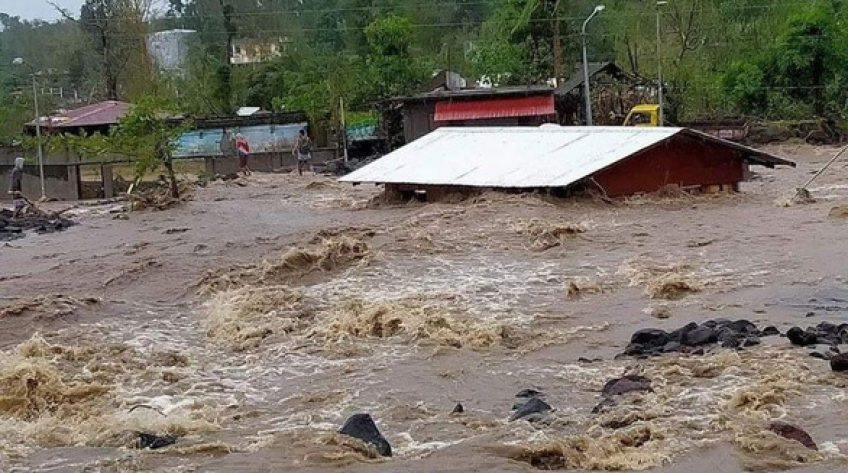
[
  {"x": 791, "y": 432},
  {"x": 626, "y": 384},
  {"x": 458, "y": 409},
  {"x": 742, "y": 326},
  {"x": 589, "y": 360},
  {"x": 839, "y": 362},
  {"x": 362, "y": 427},
  {"x": 835, "y": 349},
  {"x": 698, "y": 352},
  {"x": 532, "y": 410},
  {"x": 731, "y": 341},
  {"x": 671, "y": 347},
  {"x": 606, "y": 403},
  {"x": 769, "y": 331},
  {"x": 651, "y": 337},
  {"x": 529, "y": 393},
  {"x": 751, "y": 341},
  {"x": 818, "y": 355},
  {"x": 700, "y": 336},
  {"x": 810, "y": 314},
  {"x": 155, "y": 441},
  {"x": 678, "y": 334},
  {"x": 800, "y": 337}
]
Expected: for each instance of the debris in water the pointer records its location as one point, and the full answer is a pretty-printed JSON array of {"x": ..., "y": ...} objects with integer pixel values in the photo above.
[
  {"x": 327, "y": 255},
  {"x": 840, "y": 211},
  {"x": 731, "y": 334},
  {"x": 824, "y": 332},
  {"x": 54, "y": 305},
  {"x": 153, "y": 441},
  {"x": 578, "y": 287},
  {"x": 159, "y": 197},
  {"x": 40, "y": 222},
  {"x": 791, "y": 432},
  {"x": 661, "y": 281},
  {"x": 362, "y": 427},
  {"x": 545, "y": 235}
]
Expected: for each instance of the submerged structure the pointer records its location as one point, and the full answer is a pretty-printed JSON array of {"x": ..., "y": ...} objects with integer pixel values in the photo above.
[{"x": 615, "y": 161}]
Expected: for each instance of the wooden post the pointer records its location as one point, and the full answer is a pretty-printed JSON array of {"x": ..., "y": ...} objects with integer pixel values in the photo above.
[{"x": 107, "y": 181}]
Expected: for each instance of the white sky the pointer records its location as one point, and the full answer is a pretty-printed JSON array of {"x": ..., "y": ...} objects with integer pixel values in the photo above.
[{"x": 40, "y": 9}]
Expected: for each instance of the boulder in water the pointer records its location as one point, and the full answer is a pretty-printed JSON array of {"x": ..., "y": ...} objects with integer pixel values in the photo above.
[
  {"x": 362, "y": 427},
  {"x": 532, "y": 410},
  {"x": 626, "y": 384},
  {"x": 153, "y": 442},
  {"x": 526, "y": 393},
  {"x": 800, "y": 337},
  {"x": 769, "y": 331},
  {"x": 700, "y": 336},
  {"x": 839, "y": 362},
  {"x": 458, "y": 409},
  {"x": 791, "y": 432}
]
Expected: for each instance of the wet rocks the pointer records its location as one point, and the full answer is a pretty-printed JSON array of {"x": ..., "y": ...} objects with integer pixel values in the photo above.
[
  {"x": 700, "y": 336},
  {"x": 800, "y": 337},
  {"x": 11, "y": 229},
  {"x": 626, "y": 384},
  {"x": 153, "y": 442},
  {"x": 362, "y": 427},
  {"x": 693, "y": 337},
  {"x": 769, "y": 331},
  {"x": 791, "y": 432},
  {"x": 528, "y": 393},
  {"x": 839, "y": 362},
  {"x": 458, "y": 409},
  {"x": 532, "y": 410},
  {"x": 823, "y": 333}
]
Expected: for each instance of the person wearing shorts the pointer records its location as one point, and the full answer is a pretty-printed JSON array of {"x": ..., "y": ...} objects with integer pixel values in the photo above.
[
  {"x": 303, "y": 151},
  {"x": 243, "y": 150}
]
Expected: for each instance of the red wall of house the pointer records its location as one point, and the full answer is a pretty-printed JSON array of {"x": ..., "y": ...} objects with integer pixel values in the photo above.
[{"x": 682, "y": 160}]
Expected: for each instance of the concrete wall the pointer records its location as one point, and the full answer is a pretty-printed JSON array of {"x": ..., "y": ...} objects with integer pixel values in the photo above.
[
  {"x": 266, "y": 162},
  {"x": 61, "y": 182}
]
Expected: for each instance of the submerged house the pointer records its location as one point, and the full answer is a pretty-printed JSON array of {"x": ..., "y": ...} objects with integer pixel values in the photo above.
[{"x": 614, "y": 161}]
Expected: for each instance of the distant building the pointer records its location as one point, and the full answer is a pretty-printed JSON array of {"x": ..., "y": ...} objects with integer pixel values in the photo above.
[
  {"x": 169, "y": 49},
  {"x": 95, "y": 118},
  {"x": 254, "y": 50}
]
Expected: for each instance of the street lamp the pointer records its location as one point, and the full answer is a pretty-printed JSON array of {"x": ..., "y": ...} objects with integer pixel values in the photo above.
[
  {"x": 659, "y": 65},
  {"x": 586, "y": 91},
  {"x": 18, "y": 61}
]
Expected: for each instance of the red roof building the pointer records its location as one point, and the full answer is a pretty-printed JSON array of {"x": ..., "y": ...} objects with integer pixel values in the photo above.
[{"x": 97, "y": 117}]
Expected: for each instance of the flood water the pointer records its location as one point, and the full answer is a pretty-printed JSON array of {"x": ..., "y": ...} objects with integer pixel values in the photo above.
[{"x": 252, "y": 321}]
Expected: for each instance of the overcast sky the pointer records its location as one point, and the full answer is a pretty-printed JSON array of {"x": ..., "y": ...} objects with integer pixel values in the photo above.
[
  {"x": 32, "y": 9},
  {"x": 40, "y": 9}
]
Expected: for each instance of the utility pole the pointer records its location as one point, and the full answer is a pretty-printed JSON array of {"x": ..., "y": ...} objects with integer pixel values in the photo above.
[
  {"x": 586, "y": 90},
  {"x": 659, "y": 65},
  {"x": 20, "y": 62}
]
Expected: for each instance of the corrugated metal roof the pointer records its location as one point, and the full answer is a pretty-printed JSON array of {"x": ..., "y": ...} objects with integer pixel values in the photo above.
[
  {"x": 521, "y": 157},
  {"x": 98, "y": 114},
  {"x": 505, "y": 107}
]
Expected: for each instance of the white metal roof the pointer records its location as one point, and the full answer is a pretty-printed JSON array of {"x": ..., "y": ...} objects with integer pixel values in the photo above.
[{"x": 518, "y": 157}]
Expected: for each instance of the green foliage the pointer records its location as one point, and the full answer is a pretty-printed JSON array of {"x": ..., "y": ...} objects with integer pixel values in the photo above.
[{"x": 743, "y": 86}]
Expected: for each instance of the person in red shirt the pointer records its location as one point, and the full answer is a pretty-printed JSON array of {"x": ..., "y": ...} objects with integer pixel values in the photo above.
[{"x": 243, "y": 150}]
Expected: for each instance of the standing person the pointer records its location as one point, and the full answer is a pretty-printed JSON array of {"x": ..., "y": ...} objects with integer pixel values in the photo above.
[
  {"x": 16, "y": 189},
  {"x": 243, "y": 149},
  {"x": 303, "y": 151}
]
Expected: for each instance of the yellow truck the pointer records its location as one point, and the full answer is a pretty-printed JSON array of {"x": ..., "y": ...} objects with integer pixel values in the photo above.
[{"x": 648, "y": 115}]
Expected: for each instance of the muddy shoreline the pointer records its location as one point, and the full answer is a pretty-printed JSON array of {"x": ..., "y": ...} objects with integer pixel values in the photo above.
[{"x": 252, "y": 320}]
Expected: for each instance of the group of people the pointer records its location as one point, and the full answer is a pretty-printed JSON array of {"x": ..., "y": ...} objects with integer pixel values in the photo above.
[{"x": 302, "y": 150}]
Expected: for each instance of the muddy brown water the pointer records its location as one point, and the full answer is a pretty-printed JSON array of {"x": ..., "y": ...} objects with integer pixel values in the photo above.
[{"x": 465, "y": 302}]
